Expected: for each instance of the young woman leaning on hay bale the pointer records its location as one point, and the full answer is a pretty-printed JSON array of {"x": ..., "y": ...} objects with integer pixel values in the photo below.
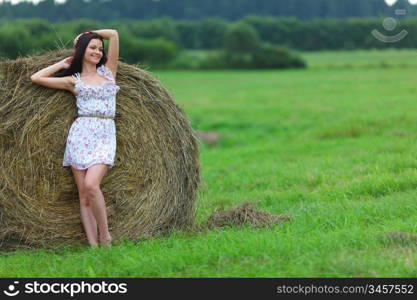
[{"x": 91, "y": 143}]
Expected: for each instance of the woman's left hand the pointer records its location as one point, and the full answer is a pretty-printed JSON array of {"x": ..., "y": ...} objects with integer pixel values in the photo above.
[
  {"x": 76, "y": 39},
  {"x": 78, "y": 36}
]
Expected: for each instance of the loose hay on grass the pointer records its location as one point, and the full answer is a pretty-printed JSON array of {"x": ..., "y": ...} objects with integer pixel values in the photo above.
[
  {"x": 244, "y": 214},
  {"x": 151, "y": 189},
  {"x": 400, "y": 238}
]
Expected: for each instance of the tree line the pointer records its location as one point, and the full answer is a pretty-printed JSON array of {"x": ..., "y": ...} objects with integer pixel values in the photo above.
[
  {"x": 250, "y": 41},
  {"x": 107, "y": 10}
]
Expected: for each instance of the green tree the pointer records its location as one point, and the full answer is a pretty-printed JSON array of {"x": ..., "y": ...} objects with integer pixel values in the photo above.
[
  {"x": 15, "y": 41},
  {"x": 241, "y": 38},
  {"x": 211, "y": 33}
]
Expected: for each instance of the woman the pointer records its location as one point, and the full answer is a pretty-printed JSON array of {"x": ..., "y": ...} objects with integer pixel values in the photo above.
[{"x": 91, "y": 143}]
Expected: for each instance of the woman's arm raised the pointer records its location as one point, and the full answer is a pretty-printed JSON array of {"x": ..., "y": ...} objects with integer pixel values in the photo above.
[
  {"x": 113, "y": 51},
  {"x": 42, "y": 76}
]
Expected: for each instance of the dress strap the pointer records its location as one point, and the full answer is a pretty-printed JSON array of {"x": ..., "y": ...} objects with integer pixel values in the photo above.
[
  {"x": 78, "y": 81},
  {"x": 106, "y": 72}
]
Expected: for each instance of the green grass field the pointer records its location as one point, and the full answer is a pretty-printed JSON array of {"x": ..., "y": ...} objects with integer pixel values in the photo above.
[
  {"x": 334, "y": 148},
  {"x": 404, "y": 58}
]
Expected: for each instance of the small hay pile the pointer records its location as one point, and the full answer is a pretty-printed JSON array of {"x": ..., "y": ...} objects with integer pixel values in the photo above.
[
  {"x": 244, "y": 214},
  {"x": 151, "y": 189},
  {"x": 400, "y": 238}
]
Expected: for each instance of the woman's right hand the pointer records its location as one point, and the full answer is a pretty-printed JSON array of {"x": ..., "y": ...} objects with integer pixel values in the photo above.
[{"x": 66, "y": 62}]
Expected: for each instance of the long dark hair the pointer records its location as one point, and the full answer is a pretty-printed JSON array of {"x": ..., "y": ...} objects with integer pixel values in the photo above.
[{"x": 76, "y": 65}]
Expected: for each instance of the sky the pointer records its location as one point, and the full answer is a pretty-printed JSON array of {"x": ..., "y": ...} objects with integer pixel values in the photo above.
[
  {"x": 34, "y": 1},
  {"x": 389, "y": 2}
]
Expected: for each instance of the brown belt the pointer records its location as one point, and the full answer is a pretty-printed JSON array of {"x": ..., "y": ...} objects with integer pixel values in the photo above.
[{"x": 97, "y": 116}]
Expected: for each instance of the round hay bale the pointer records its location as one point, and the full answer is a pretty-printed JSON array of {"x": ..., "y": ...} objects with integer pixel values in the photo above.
[{"x": 151, "y": 189}]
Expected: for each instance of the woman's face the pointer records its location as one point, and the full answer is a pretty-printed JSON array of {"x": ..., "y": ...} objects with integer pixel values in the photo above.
[{"x": 94, "y": 51}]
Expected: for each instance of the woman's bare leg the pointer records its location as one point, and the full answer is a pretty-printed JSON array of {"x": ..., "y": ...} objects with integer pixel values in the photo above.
[
  {"x": 87, "y": 217},
  {"x": 92, "y": 182}
]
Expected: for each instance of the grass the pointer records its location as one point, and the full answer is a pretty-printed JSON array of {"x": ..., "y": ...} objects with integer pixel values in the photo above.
[
  {"x": 371, "y": 58},
  {"x": 334, "y": 148},
  {"x": 405, "y": 58}
]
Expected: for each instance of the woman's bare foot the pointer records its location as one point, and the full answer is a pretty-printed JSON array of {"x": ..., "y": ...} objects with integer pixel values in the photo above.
[{"x": 106, "y": 242}]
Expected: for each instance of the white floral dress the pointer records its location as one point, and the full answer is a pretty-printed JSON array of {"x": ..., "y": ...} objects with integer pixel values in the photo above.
[{"x": 92, "y": 140}]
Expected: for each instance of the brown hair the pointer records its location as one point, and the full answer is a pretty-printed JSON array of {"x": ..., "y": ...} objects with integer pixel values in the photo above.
[{"x": 78, "y": 55}]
